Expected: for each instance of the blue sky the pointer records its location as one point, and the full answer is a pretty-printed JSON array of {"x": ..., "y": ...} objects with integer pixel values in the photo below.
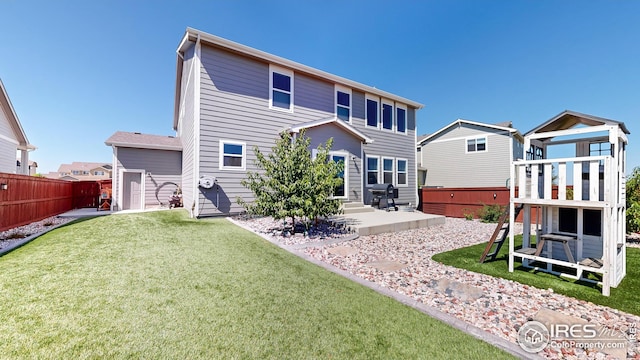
[{"x": 77, "y": 71}]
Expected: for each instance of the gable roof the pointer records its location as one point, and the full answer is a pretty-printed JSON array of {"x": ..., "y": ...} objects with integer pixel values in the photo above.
[
  {"x": 192, "y": 35},
  {"x": 333, "y": 120},
  {"x": 143, "y": 141},
  {"x": 462, "y": 121},
  {"x": 7, "y": 108},
  {"x": 568, "y": 119}
]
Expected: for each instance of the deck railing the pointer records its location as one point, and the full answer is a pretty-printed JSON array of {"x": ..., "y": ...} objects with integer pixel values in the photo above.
[{"x": 578, "y": 179}]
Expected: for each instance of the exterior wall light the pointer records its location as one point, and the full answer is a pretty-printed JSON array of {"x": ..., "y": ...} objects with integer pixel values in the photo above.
[{"x": 4, "y": 186}]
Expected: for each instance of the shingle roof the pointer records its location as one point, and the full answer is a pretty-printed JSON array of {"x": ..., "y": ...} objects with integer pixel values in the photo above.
[
  {"x": 80, "y": 166},
  {"x": 143, "y": 141}
]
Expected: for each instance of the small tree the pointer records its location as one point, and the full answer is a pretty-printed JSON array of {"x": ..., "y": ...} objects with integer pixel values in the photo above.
[
  {"x": 290, "y": 184},
  {"x": 633, "y": 201}
]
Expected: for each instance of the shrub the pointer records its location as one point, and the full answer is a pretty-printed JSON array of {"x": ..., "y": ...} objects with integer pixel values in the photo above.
[
  {"x": 467, "y": 213},
  {"x": 491, "y": 213},
  {"x": 633, "y": 201},
  {"x": 290, "y": 183}
]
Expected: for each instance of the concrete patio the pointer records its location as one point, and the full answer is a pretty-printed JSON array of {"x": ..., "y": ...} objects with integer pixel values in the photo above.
[{"x": 380, "y": 221}]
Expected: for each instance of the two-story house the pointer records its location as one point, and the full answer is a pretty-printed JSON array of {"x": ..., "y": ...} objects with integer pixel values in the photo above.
[
  {"x": 230, "y": 98},
  {"x": 13, "y": 140},
  {"x": 469, "y": 154}
]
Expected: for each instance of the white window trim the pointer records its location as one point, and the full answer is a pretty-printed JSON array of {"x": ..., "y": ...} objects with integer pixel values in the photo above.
[
  {"x": 346, "y": 172},
  {"x": 221, "y": 156},
  {"x": 367, "y": 169},
  {"x": 378, "y": 107},
  {"x": 282, "y": 71},
  {"x": 393, "y": 169},
  {"x": 345, "y": 90},
  {"x": 486, "y": 144},
  {"x": 393, "y": 110},
  {"x": 406, "y": 172},
  {"x": 406, "y": 116}
]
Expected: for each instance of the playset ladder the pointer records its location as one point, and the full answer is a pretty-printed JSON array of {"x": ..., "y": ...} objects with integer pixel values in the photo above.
[{"x": 501, "y": 228}]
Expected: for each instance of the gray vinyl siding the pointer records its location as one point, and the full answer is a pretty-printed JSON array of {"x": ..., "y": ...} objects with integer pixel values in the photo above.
[
  {"x": 7, "y": 148},
  {"x": 186, "y": 131},
  {"x": 235, "y": 107},
  {"x": 7, "y": 157},
  {"x": 449, "y": 165},
  {"x": 165, "y": 167},
  {"x": 392, "y": 145}
]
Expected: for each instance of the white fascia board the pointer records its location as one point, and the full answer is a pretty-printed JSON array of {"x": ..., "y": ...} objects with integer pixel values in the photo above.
[
  {"x": 336, "y": 121},
  {"x": 569, "y": 132},
  {"x": 277, "y": 60},
  {"x": 144, "y": 146}
]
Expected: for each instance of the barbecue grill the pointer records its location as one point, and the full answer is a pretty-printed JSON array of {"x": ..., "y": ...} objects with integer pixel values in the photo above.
[{"x": 386, "y": 192}]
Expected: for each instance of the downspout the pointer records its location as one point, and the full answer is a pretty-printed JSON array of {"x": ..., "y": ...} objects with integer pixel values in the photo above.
[
  {"x": 415, "y": 161},
  {"x": 195, "y": 208}
]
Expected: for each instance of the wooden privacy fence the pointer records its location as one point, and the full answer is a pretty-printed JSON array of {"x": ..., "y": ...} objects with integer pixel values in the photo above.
[
  {"x": 456, "y": 202},
  {"x": 25, "y": 199}
]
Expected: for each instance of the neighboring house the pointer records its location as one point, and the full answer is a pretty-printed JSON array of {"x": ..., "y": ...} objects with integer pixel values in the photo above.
[
  {"x": 422, "y": 171},
  {"x": 32, "y": 170},
  {"x": 231, "y": 98},
  {"x": 467, "y": 154},
  {"x": 77, "y": 171},
  {"x": 13, "y": 140},
  {"x": 148, "y": 169}
]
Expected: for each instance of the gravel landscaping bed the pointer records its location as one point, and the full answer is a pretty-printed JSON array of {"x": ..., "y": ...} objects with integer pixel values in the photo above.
[
  {"x": 495, "y": 305},
  {"x": 279, "y": 230},
  {"x": 15, "y": 235}
]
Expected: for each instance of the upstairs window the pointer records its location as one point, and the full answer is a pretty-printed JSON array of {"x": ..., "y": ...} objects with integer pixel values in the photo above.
[
  {"x": 373, "y": 111},
  {"x": 401, "y": 172},
  {"x": 343, "y": 104},
  {"x": 387, "y": 116},
  {"x": 280, "y": 89},
  {"x": 477, "y": 144},
  {"x": 401, "y": 120},
  {"x": 232, "y": 155}
]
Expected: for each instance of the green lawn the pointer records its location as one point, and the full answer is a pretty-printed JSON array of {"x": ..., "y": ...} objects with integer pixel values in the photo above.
[
  {"x": 162, "y": 286},
  {"x": 625, "y": 297}
]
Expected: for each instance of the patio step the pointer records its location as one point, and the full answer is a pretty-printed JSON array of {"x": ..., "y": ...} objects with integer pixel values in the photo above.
[{"x": 354, "y": 208}]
